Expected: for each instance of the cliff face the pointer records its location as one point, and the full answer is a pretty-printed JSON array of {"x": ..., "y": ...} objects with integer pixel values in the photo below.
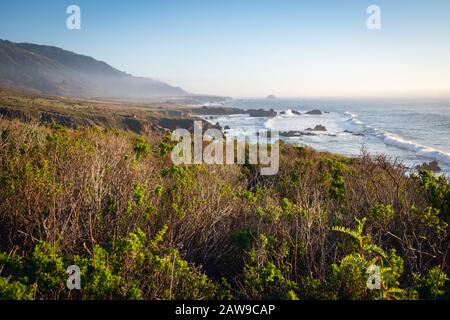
[
  {"x": 142, "y": 124},
  {"x": 53, "y": 70},
  {"x": 76, "y": 113}
]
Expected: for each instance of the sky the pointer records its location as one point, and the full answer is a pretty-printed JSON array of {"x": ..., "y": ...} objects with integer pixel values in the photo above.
[{"x": 253, "y": 48}]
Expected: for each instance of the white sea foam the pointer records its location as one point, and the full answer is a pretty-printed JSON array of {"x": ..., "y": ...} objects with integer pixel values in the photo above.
[
  {"x": 337, "y": 137},
  {"x": 288, "y": 113},
  {"x": 419, "y": 149},
  {"x": 402, "y": 143},
  {"x": 270, "y": 124},
  {"x": 354, "y": 118},
  {"x": 292, "y": 122}
]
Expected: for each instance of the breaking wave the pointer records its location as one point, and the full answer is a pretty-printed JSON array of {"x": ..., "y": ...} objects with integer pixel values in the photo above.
[{"x": 397, "y": 141}]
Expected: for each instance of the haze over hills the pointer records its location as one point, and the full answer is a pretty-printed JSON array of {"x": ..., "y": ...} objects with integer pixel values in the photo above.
[{"x": 53, "y": 70}]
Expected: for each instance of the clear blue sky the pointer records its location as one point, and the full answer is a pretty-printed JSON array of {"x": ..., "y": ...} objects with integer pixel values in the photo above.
[{"x": 253, "y": 47}]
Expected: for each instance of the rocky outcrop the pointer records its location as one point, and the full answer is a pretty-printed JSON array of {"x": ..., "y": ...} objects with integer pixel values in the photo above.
[
  {"x": 358, "y": 134},
  {"x": 138, "y": 123},
  {"x": 294, "y": 133},
  {"x": 314, "y": 112},
  {"x": 318, "y": 128},
  {"x": 181, "y": 123},
  {"x": 261, "y": 113},
  {"x": 292, "y": 111},
  {"x": 290, "y": 134},
  {"x": 216, "y": 111},
  {"x": 431, "y": 166},
  {"x": 9, "y": 113}
]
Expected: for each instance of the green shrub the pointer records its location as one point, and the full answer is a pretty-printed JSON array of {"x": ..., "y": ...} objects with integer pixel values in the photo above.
[
  {"x": 438, "y": 191},
  {"x": 263, "y": 279},
  {"x": 432, "y": 285},
  {"x": 154, "y": 230},
  {"x": 141, "y": 147},
  {"x": 381, "y": 212},
  {"x": 351, "y": 276},
  {"x": 15, "y": 290}
]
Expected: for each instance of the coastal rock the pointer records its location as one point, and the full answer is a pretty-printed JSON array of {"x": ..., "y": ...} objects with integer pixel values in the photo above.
[
  {"x": 314, "y": 112},
  {"x": 318, "y": 128},
  {"x": 226, "y": 128},
  {"x": 289, "y": 134},
  {"x": 294, "y": 133},
  {"x": 261, "y": 113},
  {"x": 358, "y": 134},
  {"x": 431, "y": 166},
  {"x": 271, "y": 97},
  {"x": 183, "y": 123},
  {"x": 292, "y": 111},
  {"x": 216, "y": 111}
]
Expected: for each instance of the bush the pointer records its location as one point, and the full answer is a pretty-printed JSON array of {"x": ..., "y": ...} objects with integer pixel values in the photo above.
[
  {"x": 438, "y": 191},
  {"x": 133, "y": 268},
  {"x": 153, "y": 230}
]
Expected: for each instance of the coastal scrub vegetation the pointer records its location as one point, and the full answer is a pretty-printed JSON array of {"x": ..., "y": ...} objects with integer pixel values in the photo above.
[{"x": 139, "y": 227}]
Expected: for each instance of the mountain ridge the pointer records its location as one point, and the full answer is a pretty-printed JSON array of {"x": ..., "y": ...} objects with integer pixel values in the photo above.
[{"x": 53, "y": 70}]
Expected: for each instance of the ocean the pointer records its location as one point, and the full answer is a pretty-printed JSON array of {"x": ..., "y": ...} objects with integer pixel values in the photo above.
[{"x": 409, "y": 131}]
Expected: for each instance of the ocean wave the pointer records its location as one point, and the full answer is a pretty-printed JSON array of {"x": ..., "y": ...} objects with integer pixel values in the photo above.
[
  {"x": 397, "y": 141},
  {"x": 270, "y": 124},
  {"x": 354, "y": 118},
  {"x": 290, "y": 121},
  {"x": 419, "y": 149},
  {"x": 288, "y": 113}
]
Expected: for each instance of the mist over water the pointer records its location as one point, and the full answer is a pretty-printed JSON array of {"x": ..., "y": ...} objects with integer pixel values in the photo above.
[{"x": 412, "y": 131}]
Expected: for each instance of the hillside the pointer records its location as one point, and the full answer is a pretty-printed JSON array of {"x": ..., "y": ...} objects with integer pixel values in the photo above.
[{"x": 52, "y": 70}]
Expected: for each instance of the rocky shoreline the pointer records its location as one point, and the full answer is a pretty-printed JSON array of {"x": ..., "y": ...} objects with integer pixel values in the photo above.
[{"x": 257, "y": 113}]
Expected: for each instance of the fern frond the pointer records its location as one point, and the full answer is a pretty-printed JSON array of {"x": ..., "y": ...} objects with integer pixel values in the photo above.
[
  {"x": 370, "y": 247},
  {"x": 354, "y": 260},
  {"x": 354, "y": 234}
]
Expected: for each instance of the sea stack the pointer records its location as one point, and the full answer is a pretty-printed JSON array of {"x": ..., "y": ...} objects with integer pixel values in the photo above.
[{"x": 314, "y": 112}]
